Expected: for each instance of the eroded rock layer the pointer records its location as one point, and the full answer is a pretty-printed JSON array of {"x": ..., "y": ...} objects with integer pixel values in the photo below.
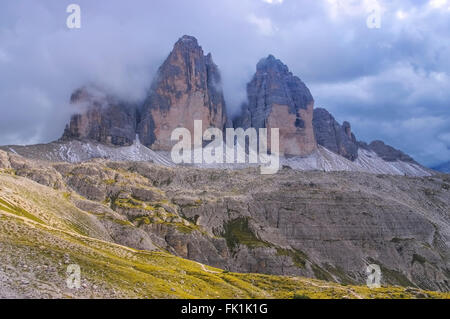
[{"x": 324, "y": 225}]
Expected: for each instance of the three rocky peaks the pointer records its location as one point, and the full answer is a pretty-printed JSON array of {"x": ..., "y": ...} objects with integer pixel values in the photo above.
[{"x": 188, "y": 87}]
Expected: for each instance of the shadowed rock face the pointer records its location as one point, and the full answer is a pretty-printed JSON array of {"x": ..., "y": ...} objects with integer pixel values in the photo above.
[
  {"x": 278, "y": 99},
  {"x": 101, "y": 118},
  {"x": 387, "y": 152},
  {"x": 330, "y": 134},
  {"x": 188, "y": 88}
]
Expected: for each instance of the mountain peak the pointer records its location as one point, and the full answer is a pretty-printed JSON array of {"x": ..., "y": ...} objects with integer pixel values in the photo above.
[
  {"x": 188, "y": 88},
  {"x": 271, "y": 63},
  {"x": 100, "y": 117},
  {"x": 278, "y": 99},
  {"x": 189, "y": 42}
]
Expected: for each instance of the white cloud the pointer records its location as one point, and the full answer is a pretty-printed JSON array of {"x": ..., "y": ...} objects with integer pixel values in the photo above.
[
  {"x": 438, "y": 3},
  {"x": 401, "y": 14},
  {"x": 264, "y": 25},
  {"x": 273, "y": 1}
]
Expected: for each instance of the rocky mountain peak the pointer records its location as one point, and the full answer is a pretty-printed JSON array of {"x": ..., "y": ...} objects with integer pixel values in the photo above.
[
  {"x": 187, "y": 41},
  {"x": 101, "y": 117},
  {"x": 333, "y": 136},
  {"x": 278, "y": 99},
  {"x": 272, "y": 64},
  {"x": 188, "y": 87},
  {"x": 283, "y": 87},
  {"x": 347, "y": 129}
]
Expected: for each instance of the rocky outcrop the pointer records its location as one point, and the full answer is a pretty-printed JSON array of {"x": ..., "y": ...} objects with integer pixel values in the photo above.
[
  {"x": 387, "y": 152},
  {"x": 187, "y": 88},
  {"x": 333, "y": 136},
  {"x": 102, "y": 118},
  {"x": 324, "y": 225},
  {"x": 278, "y": 99}
]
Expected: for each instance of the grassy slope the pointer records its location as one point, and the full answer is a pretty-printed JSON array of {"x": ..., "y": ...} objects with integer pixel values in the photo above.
[{"x": 41, "y": 232}]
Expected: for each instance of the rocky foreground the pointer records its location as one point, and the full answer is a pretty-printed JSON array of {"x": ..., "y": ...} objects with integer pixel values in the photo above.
[{"x": 125, "y": 223}]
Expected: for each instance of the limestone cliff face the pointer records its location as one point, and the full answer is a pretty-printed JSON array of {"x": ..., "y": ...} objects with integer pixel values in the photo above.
[
  {"x": 101, "y": 118},
  {"x": 278, "y": 99},
  {"x": 333, "y": 136},
  {"x": 188, "y": 88}
]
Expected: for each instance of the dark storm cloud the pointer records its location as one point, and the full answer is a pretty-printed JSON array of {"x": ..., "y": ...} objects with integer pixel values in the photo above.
[{"x": 392, "y": 83}]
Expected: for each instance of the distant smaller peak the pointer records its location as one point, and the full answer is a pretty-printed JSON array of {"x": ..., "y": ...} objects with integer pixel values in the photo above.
[
  {"x": 88, "y": 92},
  {"x": 377, "y": 142}
]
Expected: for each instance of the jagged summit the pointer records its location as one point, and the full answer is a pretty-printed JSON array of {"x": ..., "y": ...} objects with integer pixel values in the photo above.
[
  {"x": 188, "y": 87},
  {"x": 188, "y": 46},
  {"x": 333, "y": 136},
  {"x": 272, "y": 64},
  {"x": 102, "y": 118},
  {"x": 284, "y": 86},
  {"x": 188, "y": 40},
  {"x": 278, "y": 99}
]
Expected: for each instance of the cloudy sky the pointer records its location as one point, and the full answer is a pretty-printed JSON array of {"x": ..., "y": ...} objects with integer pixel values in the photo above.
[{"x": 392, "y": 83}]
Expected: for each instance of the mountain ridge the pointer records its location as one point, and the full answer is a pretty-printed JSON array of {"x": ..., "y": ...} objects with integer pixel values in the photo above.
[{"x": 188, "y": 88}]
